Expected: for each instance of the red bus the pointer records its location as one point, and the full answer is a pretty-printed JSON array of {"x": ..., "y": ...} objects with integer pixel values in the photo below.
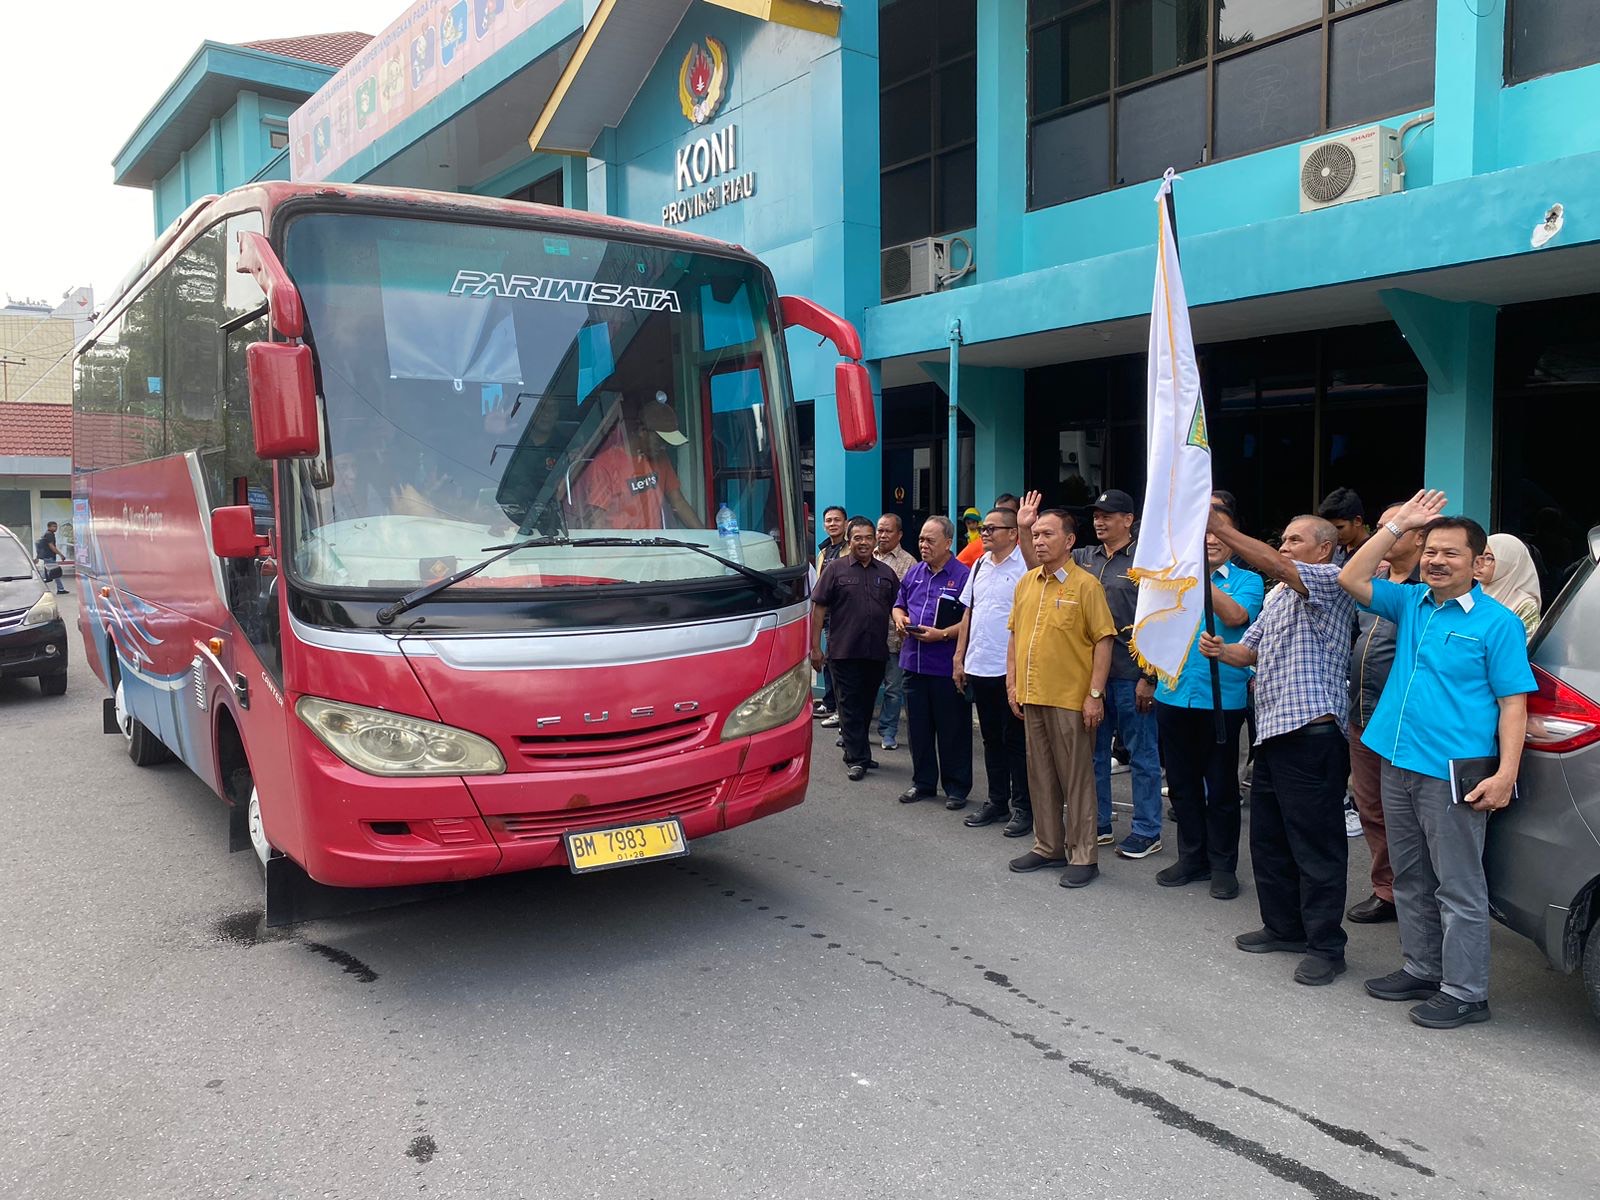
[{"x": 445, "y": 536}]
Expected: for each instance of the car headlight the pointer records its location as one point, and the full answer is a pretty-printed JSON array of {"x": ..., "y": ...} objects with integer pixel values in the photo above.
[
  {"x": 776, "y": 703},
  {"x": 43, "y": 610},
  {"x": 384, "y": 743}
]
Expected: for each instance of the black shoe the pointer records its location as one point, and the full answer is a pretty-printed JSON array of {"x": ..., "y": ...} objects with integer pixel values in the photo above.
[
  {"x": 873, "y": 764},
  {"x": 856, "y": 772},
  {"x": 1224, "y": 885},
  {"x": 1032, "y": 862},
  {"x": 1079, "y": 875},
  {"x": 1444, "y": 1011},
  {"x": 838, "y": 741},
  {"x": 1401, "y": 985},
  {"x": 1177, "y": 875},
  {"x": 955, "y": 805},
  {"x": 1019, "y": 826},
  {"x": 911, "y": 796},
  {"x": 987, "y": 815},
  {"x": 1372, "y": 911},
  {"x": 1264, "y": 941},
  {"x": 1314, "y": 970}
]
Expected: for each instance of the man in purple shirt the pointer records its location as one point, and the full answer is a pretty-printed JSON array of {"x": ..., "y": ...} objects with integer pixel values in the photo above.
[{"x": 927, "y": 613}]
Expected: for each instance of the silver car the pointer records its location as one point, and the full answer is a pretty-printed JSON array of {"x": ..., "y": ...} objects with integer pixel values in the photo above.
[{"x": 1543, "y": 852}]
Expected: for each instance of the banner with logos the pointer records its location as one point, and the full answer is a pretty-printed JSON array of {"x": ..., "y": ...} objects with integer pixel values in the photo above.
[{"x": 431, "y": 46}]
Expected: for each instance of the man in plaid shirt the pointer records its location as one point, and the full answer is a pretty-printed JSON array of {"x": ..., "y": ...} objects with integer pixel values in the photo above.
[{"x": 1300, "y": 648}]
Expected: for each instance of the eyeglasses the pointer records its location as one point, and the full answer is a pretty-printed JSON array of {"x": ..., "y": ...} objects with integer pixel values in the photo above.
[{"x": 993, "y": 528}]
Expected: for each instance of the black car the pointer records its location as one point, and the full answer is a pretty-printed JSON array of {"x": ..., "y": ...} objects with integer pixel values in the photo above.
[{"x": 33, "y": 637}]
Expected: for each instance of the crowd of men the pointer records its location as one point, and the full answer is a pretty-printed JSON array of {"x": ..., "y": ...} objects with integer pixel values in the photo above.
[{"x": 1385, "y": 664}]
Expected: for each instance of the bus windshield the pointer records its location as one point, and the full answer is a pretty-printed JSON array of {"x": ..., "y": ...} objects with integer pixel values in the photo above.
[{"x": 483, "y": 384}]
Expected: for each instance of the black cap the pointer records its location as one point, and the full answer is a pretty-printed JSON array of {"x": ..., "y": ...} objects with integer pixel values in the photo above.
[{"x": 1113, "y": 501}]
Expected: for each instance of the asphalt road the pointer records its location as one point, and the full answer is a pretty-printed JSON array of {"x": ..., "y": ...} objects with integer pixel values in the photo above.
[{"x": 851, "y": 999}]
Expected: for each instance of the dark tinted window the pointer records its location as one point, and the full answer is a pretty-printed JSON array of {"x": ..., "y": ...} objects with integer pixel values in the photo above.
[
  {"x": 1551, "y": 35},
  {"x": 1381, "y": 62},
  {"x": 1264, "y": 98}
]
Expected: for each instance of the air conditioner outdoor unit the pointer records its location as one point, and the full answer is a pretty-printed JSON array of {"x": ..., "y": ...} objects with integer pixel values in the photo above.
[
  {"x": 914, "y": 268},
  {"x": 1353, "y": 166}
]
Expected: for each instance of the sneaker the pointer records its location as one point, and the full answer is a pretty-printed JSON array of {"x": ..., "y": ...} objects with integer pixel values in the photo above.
[
  {"x": 1177, "y": 875},
  {"x": 1166, "y": 794},
  {"x": 1033, "y": 862},
  {"x": 1264, "y": 941},
  {"x": 1019, "y": 826},
  {"x": 819, "y": 709},
  {"x": 1136, "y": 845},
  {"x": 1444, "y": 1011},
  {"x": 1118, "y": 768},
  {"x": 1104, "y": 837},
  {"x": 1352, "y": 821},
  {"x": 1314, "y": 970},
  {"x": 831, "y": 721},
  {"x": 856, "y": 772},
  {"x": 888, "y": 744},
  {"x": 1401, "y": 985},
  {"x": 1077, "y": 875},
  {"x": 1224, "y": 885}
]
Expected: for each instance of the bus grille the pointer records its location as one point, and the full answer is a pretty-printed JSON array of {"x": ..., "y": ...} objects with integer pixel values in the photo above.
[
  {"x": 527, "y": 827},
  {"x": 617, "y": 747}
]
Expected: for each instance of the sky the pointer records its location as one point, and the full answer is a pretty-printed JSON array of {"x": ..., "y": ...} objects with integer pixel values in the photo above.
[{"x": 72, "y": 99}]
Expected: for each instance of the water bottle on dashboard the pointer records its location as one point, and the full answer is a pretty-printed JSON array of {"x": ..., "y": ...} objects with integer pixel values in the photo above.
[{"x": 728, "y": 534}]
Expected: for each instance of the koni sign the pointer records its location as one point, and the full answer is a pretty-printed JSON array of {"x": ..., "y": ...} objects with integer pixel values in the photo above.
[{"x": 712, "y": 159}]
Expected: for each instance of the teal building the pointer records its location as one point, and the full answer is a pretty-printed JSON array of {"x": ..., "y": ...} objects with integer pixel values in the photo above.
[{"x": 1386, "y": 211}]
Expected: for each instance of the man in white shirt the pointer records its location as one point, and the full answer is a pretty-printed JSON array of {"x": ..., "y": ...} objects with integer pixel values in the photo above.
[{"x": 980, "y": 669}]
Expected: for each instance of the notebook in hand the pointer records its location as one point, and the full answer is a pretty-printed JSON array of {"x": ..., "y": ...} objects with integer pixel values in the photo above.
[
  {"x": 948, "y": 613},
  {"x": 1468, "y": 773}
]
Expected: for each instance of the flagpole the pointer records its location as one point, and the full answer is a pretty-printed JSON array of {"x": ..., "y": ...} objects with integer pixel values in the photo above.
[{"x": 1218, "y": 723}]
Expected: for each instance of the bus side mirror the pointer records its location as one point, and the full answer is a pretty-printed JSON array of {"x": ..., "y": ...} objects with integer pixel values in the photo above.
[
  {"x": 233, "y": 532},
  {"x": 283, "y": 400},
  {"x": 858, "y": 421}
]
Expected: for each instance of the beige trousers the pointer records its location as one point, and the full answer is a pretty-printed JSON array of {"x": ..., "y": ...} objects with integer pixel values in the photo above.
[{"x": 1061, "y": 779}]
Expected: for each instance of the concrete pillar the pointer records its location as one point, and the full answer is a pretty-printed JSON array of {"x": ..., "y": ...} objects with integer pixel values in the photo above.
[
  {"x": 1454, "y": 342},
  {"x": 1470, "y": 60},
  {"x": 575, "y": 183},
  {"x": 1002, "y": 136},
  {"x": 602, "y": 176},
  {"x": 845, "y": 243},
  {"x": 992, "y": 399}
]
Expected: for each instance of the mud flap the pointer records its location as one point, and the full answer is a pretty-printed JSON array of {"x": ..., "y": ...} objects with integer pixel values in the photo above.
[
  {"x": 293, "y": 896},
  {"x": 239, "y": 827},
  {"x": 108, "y": 716}
]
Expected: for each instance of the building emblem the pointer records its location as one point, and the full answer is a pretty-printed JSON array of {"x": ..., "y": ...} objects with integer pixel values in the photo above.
[{"x": 703, "y": 80}]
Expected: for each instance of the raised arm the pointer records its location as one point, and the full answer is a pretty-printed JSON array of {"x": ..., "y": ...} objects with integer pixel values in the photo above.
[
  {"x": 1027, "y": 514},
  {"x": 1356, "y": 577},
  {"x": 1258, "y": 555}
]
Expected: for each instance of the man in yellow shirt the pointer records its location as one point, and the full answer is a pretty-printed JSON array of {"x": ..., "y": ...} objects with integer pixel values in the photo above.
[{"x": 1056, "y": 666}]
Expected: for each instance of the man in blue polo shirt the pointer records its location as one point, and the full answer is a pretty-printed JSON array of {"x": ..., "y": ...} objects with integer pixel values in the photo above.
[{"x": 1458, "y": 689}]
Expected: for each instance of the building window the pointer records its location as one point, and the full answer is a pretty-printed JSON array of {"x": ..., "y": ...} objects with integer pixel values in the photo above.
[
  {"x": 1119, "y": 90},
  {"x": 548, "y": 190},
  {"x": 927, "y": 118},
  {"x": 278, "y": 139},
  {"x": 1544, "y": 36}
]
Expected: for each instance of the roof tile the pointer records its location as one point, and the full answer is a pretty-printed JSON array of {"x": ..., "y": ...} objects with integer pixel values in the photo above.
[
  {"x": 330, "y": 49},
  {"x": 36, "y": 430}
]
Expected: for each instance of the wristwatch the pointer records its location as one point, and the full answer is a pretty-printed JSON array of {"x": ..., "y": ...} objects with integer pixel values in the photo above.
[
  {"x": 1096, "y": 694},
  {"x": 1394, "y": 529}
]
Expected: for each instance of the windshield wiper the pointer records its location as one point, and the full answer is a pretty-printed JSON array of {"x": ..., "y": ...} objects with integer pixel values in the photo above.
[
  {"x": 410, "y": 600},
  {"x": 389, "y": 612}
]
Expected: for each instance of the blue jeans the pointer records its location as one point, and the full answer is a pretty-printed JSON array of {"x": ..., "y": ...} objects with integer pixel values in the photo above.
[
  {"x": 894, "y": 697},
  {"x": 1139, "y": 735}
]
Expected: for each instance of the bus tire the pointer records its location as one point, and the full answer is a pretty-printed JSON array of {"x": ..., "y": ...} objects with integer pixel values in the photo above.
[
  {"x": 144, "y": 747},
  {"x": 258, "y": 833},
  {"x": 1591, "y": 969}
]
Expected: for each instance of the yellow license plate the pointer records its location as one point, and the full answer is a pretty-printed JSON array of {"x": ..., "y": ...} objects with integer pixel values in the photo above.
[{"x": 623, "y": 845}]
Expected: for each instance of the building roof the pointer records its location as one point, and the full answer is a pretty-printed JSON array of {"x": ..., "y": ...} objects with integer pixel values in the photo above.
[
  {"x": 36, "y": 430},
  {"x": 330, "y": 49}
]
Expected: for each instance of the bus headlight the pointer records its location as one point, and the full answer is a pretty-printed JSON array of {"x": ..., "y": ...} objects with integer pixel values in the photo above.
[
  {"x": 43, "y": 611},
  {"x": 777, "y": 703},
  {"x": 384, "y": 743}
]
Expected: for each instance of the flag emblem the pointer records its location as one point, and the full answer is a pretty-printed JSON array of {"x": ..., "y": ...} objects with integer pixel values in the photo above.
[{"x": 703, "y": 80}]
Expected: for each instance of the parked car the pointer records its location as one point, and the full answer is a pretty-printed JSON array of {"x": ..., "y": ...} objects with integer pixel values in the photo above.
[
  {"x": 1543, "y": 851},
  {"x": 33, "y": 637}
]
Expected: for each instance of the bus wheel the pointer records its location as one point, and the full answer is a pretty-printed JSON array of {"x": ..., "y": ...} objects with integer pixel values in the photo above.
[
  {"x": 144, "y": 747},
  {"x": 258, "y": 834}
]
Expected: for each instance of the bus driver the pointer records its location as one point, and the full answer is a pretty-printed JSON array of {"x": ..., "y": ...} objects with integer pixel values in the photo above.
[{"x": 631, "y": 482}]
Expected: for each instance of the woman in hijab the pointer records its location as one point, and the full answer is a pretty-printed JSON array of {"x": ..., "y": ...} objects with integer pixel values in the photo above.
[{"x": 1507, "y": 574}]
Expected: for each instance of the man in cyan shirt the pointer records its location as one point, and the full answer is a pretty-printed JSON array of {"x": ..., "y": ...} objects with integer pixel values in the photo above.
[{"x": 1458, "y": 690}]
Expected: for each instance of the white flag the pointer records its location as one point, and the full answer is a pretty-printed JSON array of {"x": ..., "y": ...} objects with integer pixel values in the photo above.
[{"x": 1169, "y": 559}]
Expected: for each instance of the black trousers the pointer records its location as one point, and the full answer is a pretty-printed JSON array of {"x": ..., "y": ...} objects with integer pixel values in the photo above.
[
  {"x": 1005, "y": 745},
  {"x": 855, "y": 683},
  {"x": 1203, "y": 782},
  {"x": 1297, "y": 841},
  {"x": 941, "y": 735}
]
